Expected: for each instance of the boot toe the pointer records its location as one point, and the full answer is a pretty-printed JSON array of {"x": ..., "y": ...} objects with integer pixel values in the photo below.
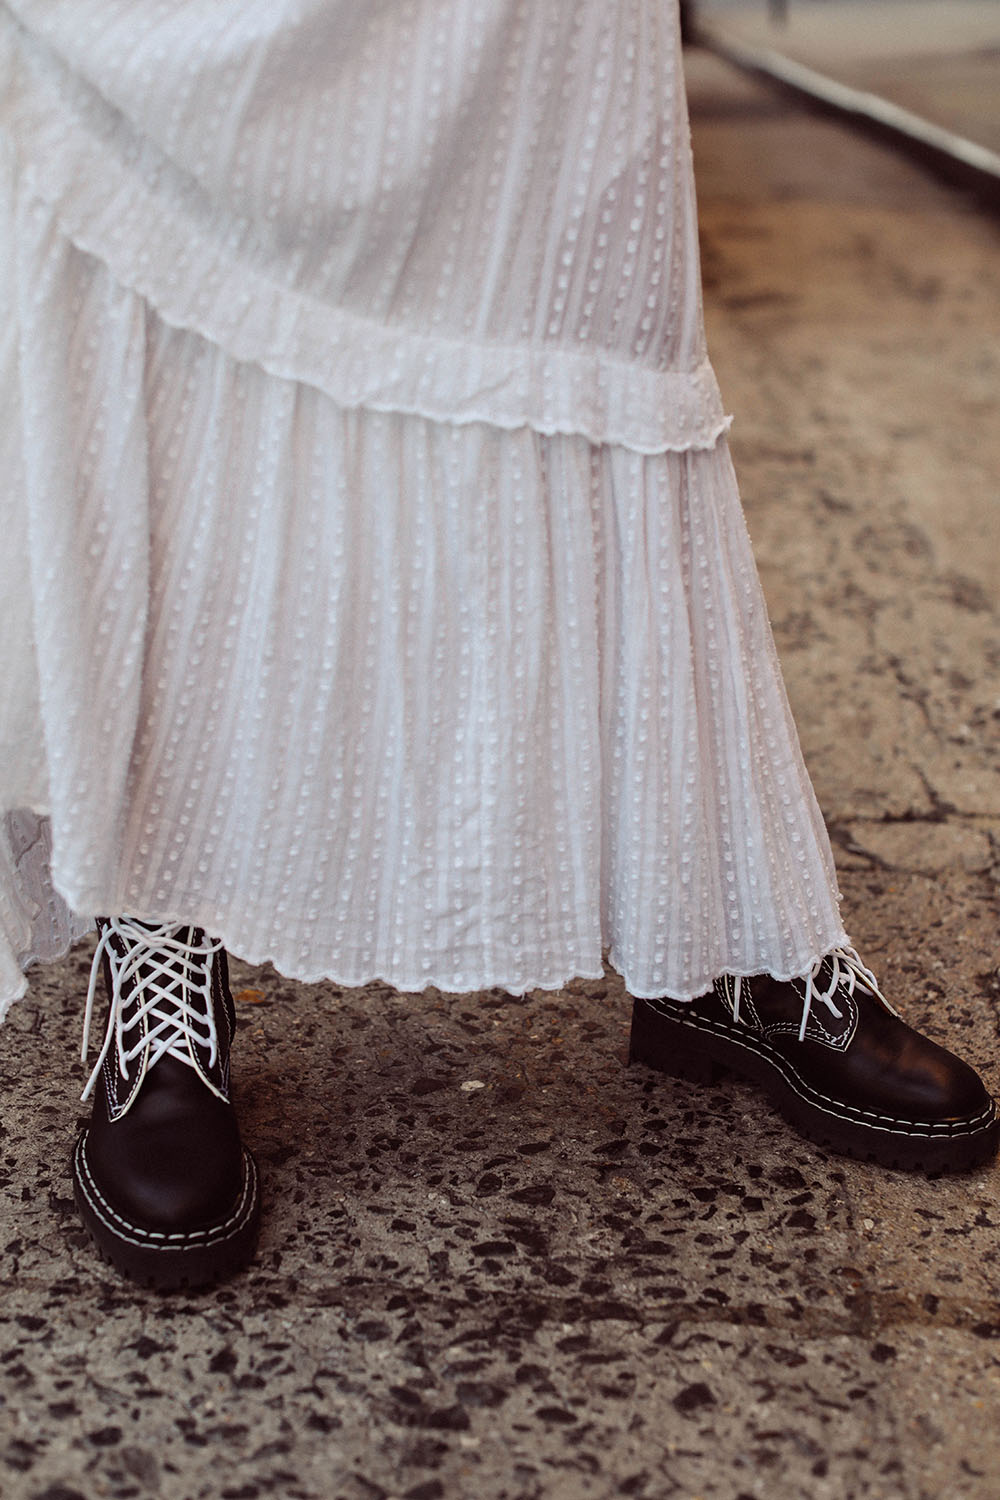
[
  {"x": 163, "y": 1190},
  {"x": 946, "y": 1087},
  {"x": 172, "y": 1164},
  {"x": 902, "y": 1073}
]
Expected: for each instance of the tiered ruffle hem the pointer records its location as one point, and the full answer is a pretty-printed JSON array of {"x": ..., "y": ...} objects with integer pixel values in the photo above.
[{"x": 376, "y": 594}]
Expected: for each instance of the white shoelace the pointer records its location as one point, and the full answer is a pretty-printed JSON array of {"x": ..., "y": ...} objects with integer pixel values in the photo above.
[
  {"x": 846, "y": 971},
  {"x": 171, "y": 990}
]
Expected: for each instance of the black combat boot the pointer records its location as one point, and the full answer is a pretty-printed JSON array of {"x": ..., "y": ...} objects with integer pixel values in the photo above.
[
  {"x": 162, "y": 1181},
  {"x": 836, "y": 1061}
]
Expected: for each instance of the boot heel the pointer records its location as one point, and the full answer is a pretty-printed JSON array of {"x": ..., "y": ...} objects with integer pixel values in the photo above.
[{"x": 664, "y": 1045}]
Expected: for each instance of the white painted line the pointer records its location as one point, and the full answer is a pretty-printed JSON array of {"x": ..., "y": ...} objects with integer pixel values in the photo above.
[{"x": 846, "y": 100}]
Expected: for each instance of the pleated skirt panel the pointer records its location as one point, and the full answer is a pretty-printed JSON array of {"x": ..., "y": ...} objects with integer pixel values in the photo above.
[
  {"x": 372, "y": 695},
  {"x": 374, "y": 588}
]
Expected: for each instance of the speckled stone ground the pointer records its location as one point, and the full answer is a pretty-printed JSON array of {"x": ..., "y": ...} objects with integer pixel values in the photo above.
[{"x": 499, "y": 1265}]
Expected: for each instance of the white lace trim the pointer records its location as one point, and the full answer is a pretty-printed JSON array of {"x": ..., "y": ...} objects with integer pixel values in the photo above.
[
  {"x": 448, "y": 984},
  {"x": 154, "y": 244}
]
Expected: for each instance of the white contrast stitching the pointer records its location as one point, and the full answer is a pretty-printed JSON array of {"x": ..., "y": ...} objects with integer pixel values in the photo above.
[
  {"x": 891, "y": 1124},
  {"x": 195, "y": 1239}
]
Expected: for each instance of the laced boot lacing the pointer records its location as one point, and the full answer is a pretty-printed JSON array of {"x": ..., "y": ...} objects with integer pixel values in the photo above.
[
  {"x": 847, "y": 972},
  {"x": 165, "y": 980}
]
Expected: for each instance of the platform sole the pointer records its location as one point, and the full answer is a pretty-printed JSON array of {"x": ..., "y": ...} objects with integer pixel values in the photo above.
[
  {"x": 703, "y": 1053},
  {"x": 169, "y": 1262}
]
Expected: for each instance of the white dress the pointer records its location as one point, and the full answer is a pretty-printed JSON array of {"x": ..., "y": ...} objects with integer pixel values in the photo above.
[{"x": 374, "y": 588}]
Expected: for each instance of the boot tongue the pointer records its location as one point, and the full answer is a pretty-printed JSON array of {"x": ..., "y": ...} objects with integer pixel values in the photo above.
[
  {"x": 165, "y": 978},
  {"x": 161, "y": 990},
  {"x": 176, "y": 963}
]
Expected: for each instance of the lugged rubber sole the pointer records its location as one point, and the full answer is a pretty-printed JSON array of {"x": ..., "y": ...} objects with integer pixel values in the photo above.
[
  {"x": 168, "y": 1262},
  {"x": 698, "y": 1051}
]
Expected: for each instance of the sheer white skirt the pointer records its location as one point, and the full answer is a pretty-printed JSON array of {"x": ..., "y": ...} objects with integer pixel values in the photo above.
[{"x": 441, "y": 694}]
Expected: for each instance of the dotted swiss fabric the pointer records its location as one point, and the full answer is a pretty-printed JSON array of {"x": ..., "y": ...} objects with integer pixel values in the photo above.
[
  {"x": 377, "y": 587},
  {"x": 466, "y": 209}
]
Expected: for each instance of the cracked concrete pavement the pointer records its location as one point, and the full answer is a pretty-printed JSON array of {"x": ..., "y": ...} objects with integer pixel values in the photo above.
[
  {"x": 497, "y": 1264},
  {"x": 856, "y": 335}
]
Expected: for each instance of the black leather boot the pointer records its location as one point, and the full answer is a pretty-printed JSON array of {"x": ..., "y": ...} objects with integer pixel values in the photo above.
[
  {"x": 836, "y": 1061},
  {"x": 162, "y": 1181}
]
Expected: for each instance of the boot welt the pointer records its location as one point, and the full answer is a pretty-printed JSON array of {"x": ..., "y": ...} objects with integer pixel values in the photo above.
[
  {"x": 704, "y": 1051},
  {"x": 169, "y": 1261}
]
